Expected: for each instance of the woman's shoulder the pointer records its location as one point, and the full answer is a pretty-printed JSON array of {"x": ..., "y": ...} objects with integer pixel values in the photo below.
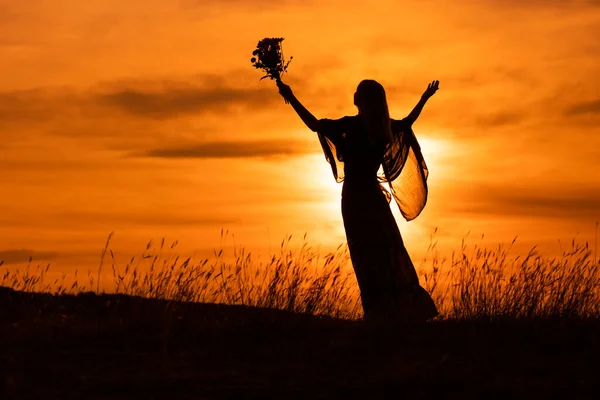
[
  {"x": 349, "y": 118},
  {"x": 401, "y": 124},
  {"x": 344, "y": 119},
  {"x": 345, "y": 123}
]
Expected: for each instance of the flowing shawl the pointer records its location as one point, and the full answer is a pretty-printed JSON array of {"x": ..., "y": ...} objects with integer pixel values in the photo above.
[{"x": 404, "y": 168}]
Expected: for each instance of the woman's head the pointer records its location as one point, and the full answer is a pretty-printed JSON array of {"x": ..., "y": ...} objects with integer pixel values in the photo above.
[{"x": 372, "y": 104}]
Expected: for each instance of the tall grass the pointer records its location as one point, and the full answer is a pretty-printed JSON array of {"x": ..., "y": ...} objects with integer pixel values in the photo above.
[
  {"x": 473, "y": 282},
  {"x": 486, "y": 283},
  {"x": 295, "y": 279}
]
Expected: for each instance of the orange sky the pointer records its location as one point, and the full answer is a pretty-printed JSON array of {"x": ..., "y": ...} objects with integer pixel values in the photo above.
[{"x": 146, "y": 118}]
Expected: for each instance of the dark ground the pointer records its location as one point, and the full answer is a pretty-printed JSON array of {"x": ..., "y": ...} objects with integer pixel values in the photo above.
[{"x": 114, "y": 346}]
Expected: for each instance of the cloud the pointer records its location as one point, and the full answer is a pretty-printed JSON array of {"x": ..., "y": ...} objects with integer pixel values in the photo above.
[
  {"x": 542, "y": 3},
  {"x": 587, "y": 107},
  {"x": 141, "y": 114},
  {"x": 501, "y": 118},
  {"x": 521, "y": 201},
  {"x": 263, "y": 148},
  {"x": 245, "y": 5},
  {"x": 114, "y": 220},
  {"x": 174, "y": 100},
  {"x": 145, "y": 99},
  {"x": 15, "y": 256},
  {"x": 31, "y": 106}
]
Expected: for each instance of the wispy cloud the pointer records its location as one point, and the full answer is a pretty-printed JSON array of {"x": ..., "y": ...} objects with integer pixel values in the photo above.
[
  {"x": 114, "y": 220},
  {"x": 128, "y": 114},
  {"x": 513, "y": 200},
  {"x": 32, "y": 106},
  {"x": 264, "y": 148},
  {"x": 177, "y": 99},
  {"x": 15, "y": 256},
  {"x": 586, "y": 107},
  {"x": 246, "y": 5},
  {"x": 501, "y": 118},
  {"x": 144, "y": 99}
]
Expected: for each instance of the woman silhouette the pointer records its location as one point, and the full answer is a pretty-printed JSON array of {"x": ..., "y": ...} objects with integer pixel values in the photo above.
[{"x": 356, "y": 147}]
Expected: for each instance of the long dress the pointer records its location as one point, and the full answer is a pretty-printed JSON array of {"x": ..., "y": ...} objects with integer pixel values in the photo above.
[{"x": 389, "y": 285}]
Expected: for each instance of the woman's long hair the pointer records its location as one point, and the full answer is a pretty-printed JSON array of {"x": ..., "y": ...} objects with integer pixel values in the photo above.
[{"x": 370, "y": 98}]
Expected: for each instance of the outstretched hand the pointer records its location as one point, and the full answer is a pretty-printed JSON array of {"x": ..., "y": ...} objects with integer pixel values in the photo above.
[
  {"x": 285, "y": 91},
  {"x": 431, "y": 89}
]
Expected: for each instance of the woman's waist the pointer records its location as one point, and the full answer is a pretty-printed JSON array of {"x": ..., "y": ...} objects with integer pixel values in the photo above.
[
  {"x": 367, "y": 178},
  {"x": 361, "y": 184},
  {"x": 363, "y": 194}
]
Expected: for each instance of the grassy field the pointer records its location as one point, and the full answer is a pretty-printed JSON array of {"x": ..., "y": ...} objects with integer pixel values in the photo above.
[{"x": 290, "y": 328}]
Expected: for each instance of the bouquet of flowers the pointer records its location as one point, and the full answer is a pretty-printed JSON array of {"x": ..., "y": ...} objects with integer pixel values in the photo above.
[{"x": 269, "y": 56}]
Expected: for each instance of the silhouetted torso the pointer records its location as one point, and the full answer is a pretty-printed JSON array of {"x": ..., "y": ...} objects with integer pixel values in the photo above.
[{"x": 362, "y": 158}]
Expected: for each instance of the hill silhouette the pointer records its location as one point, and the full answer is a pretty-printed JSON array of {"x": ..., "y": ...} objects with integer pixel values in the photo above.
[{"x": 118, "y": 346}]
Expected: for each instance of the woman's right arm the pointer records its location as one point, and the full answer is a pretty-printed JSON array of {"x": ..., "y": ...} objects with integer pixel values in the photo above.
[{"x": 303, "y": 113}]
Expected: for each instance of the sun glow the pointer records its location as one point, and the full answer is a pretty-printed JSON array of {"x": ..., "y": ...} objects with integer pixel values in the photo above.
[
  {"x": 437, "y": 153},
  {"x": 433, "y": 148},
  {"x": 318, "y": 179}
]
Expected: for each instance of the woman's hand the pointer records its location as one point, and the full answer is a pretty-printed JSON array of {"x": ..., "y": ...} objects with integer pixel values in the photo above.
[
  {"x": 285, "y": 91},
  {"x": 431, "y": 89}
]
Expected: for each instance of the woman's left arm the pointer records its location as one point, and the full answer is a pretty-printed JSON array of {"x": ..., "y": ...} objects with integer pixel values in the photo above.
[{"x": 430, "y": 91}]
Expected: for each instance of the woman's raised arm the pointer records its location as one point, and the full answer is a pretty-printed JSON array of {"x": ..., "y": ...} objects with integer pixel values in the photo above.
[
  {"x": 430, "y": 91},
  {"x": 303, "y": 113}
]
